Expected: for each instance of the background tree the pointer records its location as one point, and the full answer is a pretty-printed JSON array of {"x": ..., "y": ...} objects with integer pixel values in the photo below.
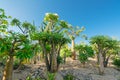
[
  {"x": 99, "y": 43},
  {"x": 105, "y": 46},
  {"x": 65, "y": 52},
  {"x": 73, "y": 32}
]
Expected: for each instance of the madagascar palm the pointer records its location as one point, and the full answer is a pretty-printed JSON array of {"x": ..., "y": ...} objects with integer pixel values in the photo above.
[
  {"x": 99, "y": 41},
  {"x": 73, "y": 32},
  {"x": 51, "y": 39},
  {"x": 105, "y": 46},
  {"x": 11, "y": 45}
]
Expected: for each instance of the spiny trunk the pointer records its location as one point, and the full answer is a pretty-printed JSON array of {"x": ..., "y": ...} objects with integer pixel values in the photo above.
[
  {"x": 73, "y": 50},
  {"x": 58, "y": 52},
  {"x": 98, "y": 59},
  {"x": 54, "y": 64},
  {"x": 106, "y": 61},
  {"x": 101, "y": 66},
  {"x": 45, "y": 55},
  {"x": 54, "y": 61},
  {"x": 8, "y": 70},
  {"x": 46, "y": 61}
]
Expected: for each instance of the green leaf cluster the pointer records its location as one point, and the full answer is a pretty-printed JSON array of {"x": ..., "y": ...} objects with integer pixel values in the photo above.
[{"x": 85, "y": 51}]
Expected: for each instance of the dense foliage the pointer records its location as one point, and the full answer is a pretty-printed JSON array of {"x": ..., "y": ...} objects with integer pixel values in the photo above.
[
  {"x": 85, "y": 51},
  {"x": 116, "y": 62}
]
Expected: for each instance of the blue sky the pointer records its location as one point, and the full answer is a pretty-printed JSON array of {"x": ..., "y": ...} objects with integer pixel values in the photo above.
[{"x": 98, "y": 16}]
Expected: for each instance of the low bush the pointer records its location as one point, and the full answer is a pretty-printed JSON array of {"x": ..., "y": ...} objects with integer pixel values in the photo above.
[
  {"x": 116, "y": 61},
  {"x": 69, "y": 77}
]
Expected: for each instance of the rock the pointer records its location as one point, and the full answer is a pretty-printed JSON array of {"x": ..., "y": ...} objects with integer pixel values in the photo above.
[
  {"x": 38, "y": 74},
  {"x": 77, "y": 75}
]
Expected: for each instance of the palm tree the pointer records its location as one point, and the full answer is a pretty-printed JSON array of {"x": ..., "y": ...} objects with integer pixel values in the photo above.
[
  {"x": 73, "y": 32},
  {"x": 51, "y": 39},
  {"x": 11, "y": 46},
  {"x": 99, "y": 42},
  {"x": 105, "y": 46}
]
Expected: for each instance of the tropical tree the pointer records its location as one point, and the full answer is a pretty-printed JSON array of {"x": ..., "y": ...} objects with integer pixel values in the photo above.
[
  {"x": 73, "y": 32},
  {"x": 98, "y": 41},
  {"x": 105, "y": 46},
  {"x": 85, "y": 51},
  {"x": 51, "y": 39},
  {"x": 13, "y": 44}
]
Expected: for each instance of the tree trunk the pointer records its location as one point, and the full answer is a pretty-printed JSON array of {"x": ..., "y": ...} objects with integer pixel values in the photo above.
[
  {"x": 8, "y": 70},
  {"x": 54, "y": 64},
  {"x": 73, "y": 50},
  {"x": 106, "y": 61},
  {"x": 98, "y": 58},
  {"x": 54, "y": 61},
  {"x": 101, "y": 66},
  {"x": 45, "y": 55}
]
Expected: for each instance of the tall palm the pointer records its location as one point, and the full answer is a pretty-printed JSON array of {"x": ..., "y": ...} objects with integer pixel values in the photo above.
[
  {"x": 105, "y": 46},
  {"x": 51, "y": 39},
  {"x": 99, "y": 41},
  {"x": 74, "y": 32}
]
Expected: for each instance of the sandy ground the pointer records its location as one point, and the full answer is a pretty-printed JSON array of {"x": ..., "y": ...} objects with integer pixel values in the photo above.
[{"x": 90, "y": 69}]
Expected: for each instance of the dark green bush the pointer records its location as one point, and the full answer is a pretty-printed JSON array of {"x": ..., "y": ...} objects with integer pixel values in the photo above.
[
  {"x": 116, "y": 61},
  {"x": 59, "y": 59},
  {"x": 51, "y": 76},
  {"x": 69, "y": 77},
  {"x": 83, "y": 58}
]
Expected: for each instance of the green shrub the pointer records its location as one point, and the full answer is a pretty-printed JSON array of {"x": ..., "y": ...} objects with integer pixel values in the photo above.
[
  {"x": 51, "y": 76},
  {"x": 85, "y": 51},
  {"x": 116, "y": 61},
  {"x": 69, "y": 77},
  {"x": 59, "y": 59},
  {"x": 83, "y": 58}
]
